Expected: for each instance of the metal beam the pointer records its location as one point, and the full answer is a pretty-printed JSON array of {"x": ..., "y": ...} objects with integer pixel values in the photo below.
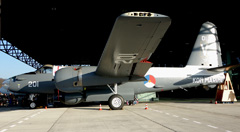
[{"x": 13, "y": 51}]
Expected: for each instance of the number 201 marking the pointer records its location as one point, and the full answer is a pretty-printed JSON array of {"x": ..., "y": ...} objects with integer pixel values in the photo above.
[{"x": 33, "y": 83}]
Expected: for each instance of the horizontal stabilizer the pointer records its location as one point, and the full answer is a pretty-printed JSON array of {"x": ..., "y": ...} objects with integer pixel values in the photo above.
[{"x": 224, "y": 68}]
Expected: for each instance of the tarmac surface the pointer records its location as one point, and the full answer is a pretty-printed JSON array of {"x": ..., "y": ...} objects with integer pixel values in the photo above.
[{"x": 165, "y": 116}]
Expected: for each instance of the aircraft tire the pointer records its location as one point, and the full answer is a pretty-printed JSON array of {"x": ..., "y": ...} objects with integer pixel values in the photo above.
[
  {"x": 32, "y": 105},
  {"x": 116, "y": 102}
]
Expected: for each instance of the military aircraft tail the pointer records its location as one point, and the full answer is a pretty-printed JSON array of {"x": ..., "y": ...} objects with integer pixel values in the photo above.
[{"x": 206, "y": 50}]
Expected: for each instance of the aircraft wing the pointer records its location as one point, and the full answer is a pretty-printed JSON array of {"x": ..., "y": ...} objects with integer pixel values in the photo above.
[{"x": 134, "y": 37}]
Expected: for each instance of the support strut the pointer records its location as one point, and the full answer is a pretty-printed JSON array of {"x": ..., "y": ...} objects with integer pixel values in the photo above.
[{"x": 114, "y": 89}]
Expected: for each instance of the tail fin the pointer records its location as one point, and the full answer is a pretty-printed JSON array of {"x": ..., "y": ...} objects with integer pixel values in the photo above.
[{"x": 206, "y": 50}]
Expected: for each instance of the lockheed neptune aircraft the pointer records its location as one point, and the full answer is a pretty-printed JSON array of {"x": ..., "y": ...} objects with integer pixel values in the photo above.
[{"x": 123, "y": 69}]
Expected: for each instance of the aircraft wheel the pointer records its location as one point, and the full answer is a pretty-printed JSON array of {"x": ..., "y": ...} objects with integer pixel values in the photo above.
[
  {"x": 116, "y": 102},
  {"x": 32, "y": 105}
]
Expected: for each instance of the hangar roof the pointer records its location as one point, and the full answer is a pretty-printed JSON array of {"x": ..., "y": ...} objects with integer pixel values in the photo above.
[{"x": 60, "y": 32}]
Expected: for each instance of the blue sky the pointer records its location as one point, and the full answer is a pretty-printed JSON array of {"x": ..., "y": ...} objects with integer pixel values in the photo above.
[{"x": 10, "y": 66}]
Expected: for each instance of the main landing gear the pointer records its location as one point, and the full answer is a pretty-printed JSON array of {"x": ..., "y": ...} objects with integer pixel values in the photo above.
[{"x": 116, "y": 101}]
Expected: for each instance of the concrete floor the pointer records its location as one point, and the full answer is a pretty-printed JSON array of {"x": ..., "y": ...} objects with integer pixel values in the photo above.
[{"x": 161, "y": 116}]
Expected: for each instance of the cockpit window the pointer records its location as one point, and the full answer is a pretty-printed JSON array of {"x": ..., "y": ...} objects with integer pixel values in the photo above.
[
  {"x": 13, "y": 79},
  {"x": 47, "y": 70},
  {"x": 44, "y": 70}
]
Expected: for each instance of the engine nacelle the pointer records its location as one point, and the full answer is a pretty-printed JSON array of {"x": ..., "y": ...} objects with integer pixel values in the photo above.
[
  {"x": 73, "y": 79},
  {"x": 69, "y": 79}
]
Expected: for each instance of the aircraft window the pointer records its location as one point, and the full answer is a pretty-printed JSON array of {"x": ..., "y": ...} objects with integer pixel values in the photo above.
[
  {"x": 14, "y": 78},
  {"x": 44, "y": 70},
  {"x": 39, "y": 71},
  {"x": 47, "y": 70}
]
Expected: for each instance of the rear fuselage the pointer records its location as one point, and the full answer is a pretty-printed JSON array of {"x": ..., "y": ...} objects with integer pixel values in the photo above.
[{"x": 179, "y": 78}]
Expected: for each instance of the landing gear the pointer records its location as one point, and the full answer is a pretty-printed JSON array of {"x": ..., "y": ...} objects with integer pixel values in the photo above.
[
  {"x": 32, "y": 105},
  {"x": 116, "y": 102}
]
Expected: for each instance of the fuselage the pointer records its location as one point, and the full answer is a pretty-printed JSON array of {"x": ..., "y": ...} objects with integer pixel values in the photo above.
[{"x": 166, "y": 78}]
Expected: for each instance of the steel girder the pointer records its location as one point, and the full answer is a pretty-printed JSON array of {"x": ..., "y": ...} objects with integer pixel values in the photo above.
[{"x": 13, "y": 51}]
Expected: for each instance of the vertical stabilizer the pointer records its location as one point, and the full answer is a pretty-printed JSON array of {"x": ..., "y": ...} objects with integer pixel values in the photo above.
[{"x": 206, "y": 50}]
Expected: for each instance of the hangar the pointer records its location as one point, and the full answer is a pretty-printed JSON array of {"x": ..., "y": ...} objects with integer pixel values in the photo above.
[{"x": 68, "y": 33}]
